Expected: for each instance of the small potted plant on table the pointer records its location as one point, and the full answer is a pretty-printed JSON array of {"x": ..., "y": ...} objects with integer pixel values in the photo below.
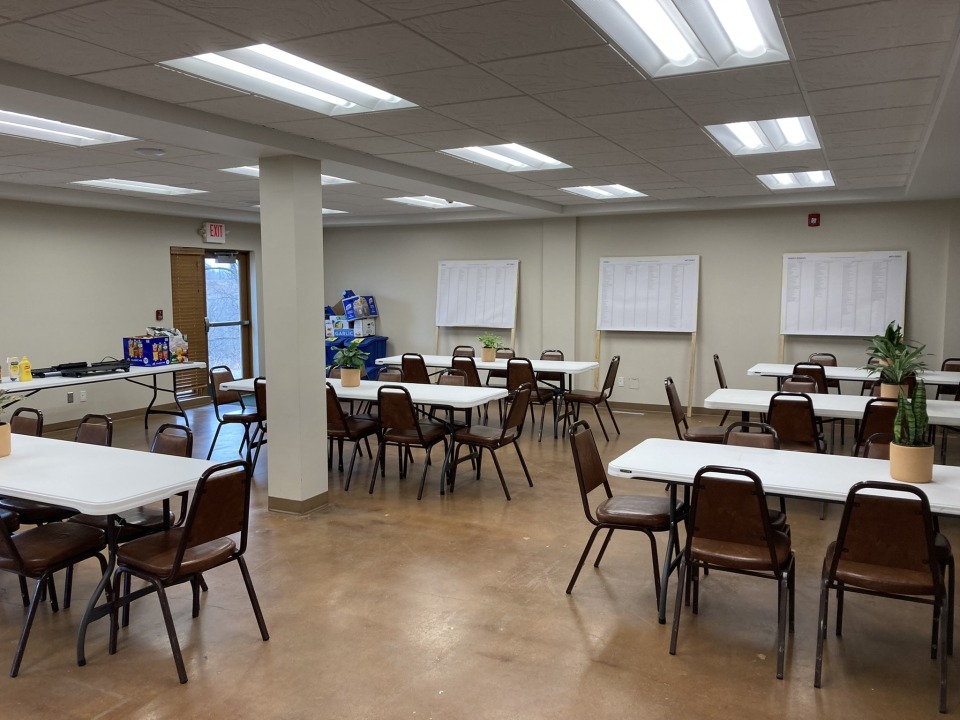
[
  {"x": 351, "y": 360},
  {"x": 491, "y": 343},
  {"x": 896, "y": 360},
  {"x": 911, "y": 452},
  {"x": 6, "y": 400}
]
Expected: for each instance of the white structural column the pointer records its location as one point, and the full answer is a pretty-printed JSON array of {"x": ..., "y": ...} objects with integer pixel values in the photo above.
[
  {"x": 291, "y": 228},
  {"x": 559, "y": 302}
]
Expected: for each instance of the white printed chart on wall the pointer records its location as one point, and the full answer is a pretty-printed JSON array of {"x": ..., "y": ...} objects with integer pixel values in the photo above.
[
  {"x": 653, "y": 294},
  {"x": 854, "y": 294},
  {"x": 477, "y": 293}
]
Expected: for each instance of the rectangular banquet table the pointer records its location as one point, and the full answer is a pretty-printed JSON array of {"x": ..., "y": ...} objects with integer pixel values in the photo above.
[{"x": 855, "y": 374}]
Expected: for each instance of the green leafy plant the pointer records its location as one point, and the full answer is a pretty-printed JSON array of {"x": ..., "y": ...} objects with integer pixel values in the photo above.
[
  {"x": 903, "y": 366},
  {"x": 896, "y": 359},
  {"x": 911, "y": 424},
  {"x": 489, "y": 340},
  {"x": 7, "y": 399},
  {"x": 351, "y": 356}
]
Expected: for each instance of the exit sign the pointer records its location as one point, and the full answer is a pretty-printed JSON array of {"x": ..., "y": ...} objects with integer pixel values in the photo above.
[{"x": 214, "y": 233}]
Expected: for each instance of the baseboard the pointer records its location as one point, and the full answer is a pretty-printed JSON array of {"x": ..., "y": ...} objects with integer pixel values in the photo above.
[
  {"x": 298, "y": 507},
  {"x": 649, "y": 407},
  {"x": 137, "y": 412}
]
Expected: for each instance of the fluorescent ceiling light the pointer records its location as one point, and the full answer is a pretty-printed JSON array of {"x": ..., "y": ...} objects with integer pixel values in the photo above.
[
  {"x": 766, "y": 136},
  {"x": 798, "y": 180},
  {"x": 266, "y": 71},
  {"x": 509, "y": 158},
  {"x": 604, "y": 192},
  {"x": 140, "y": 187},
  {"x": 38, "y": 128},
  {"x": 254, "y": 171},
  {"x": 331, "y": 211},
  {"x": 429, "y": 202},
  {"x": 676, "y": 37}
]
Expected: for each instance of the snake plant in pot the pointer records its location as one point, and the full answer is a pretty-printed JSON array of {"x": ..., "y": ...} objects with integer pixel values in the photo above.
[
  {"x": 911, "y": 452},
  {"x": 6, "y": 400},
  {"x": 351, "y": 360}
]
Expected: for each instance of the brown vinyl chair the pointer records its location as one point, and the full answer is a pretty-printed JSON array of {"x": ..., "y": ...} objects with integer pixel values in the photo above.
[
  {"x": 40, "y": 552},
  {"x": 452, "y": 376},
  {"x": 722, "y": 379},
  {"x": 468, "y": 366},
  {"x": 949, "y": 365},
  {"x": 259, "y": 438},
  {"x": 27, "y": 421},
  {"x": 553, "y": 379},
  {"x": 705, "y": 433},
  {"x": 826, "y": 360},
  {"x": 641, "y": 513},
  {"x": 877, "y": 446},
  {"x": 819, "y": 374},
  {"x": 482, "y": 437},
  {"x": 464, "y": 351},
  {"x": 414, "y": 369},
  {"x": 869, "y": 387},
  {"x": 520, "y": 372},
  {"x": 791, "y": 415},
  {"x": 400, "y": 426},
  {"x": 878, "y": 416},
  {"x": 343, "y": 427},
  {"x": 739, "y": 434},
  {"x": 220, "y": 509},
  {"x": 502, "y": 354},
  {"x": 729, "y": 529},
  {"x": 390, "y": 373},
  {"x": 573, "y": 399},
  {"x": 798, "y": 383},
  {"x": 886, "y": 547},
  {"x": 945, "y": 431},
  {"x": 220, "y": 374}
]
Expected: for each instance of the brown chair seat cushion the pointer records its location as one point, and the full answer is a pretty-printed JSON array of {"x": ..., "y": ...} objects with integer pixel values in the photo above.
[
  {"x": 879, "y": 577},
  {"x": 432, "y": 431},
  {"x": 53, "y": 544},
  {"x": 240, "y": 416},
  {"x": 155, "y": 554},
  {"x": 652, "y": 513},
  {"x": 33, "y": 513},
  {"x": 583, "y": 396},
  {"x": 356, "y": 426},
  {"x": 706, "y": 433},
  {"x": 10, "y": 520},
  {"x": 483, "y": 435},
  {"x": 740, "y": 556}
]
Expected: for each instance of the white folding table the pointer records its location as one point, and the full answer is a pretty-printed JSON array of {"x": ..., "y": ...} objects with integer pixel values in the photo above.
[
  {"x": 854, "y": 374},
  {"x": 94, "y": 480},
  {"x": 812, "y": 476}
]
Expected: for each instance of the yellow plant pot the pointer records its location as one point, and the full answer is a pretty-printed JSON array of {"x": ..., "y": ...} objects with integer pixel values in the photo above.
[
  {"x": 350, "y": 377},
  {"x": 488, "y": 354},
  {"x": 893, "y": 391},
  {"x": 4, "y": 439},
  {"x": 911, "y": 464}
]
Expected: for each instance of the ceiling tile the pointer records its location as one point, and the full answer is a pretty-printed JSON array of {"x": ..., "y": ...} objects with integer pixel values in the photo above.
[
  {"x": 566, "y": 70},
  {"x": 635, "y": 174},
  {"x": 6, "y": 168},
  {"x": 503, "y": 111},
  {"x": 872, "y": 182},
  {"x": 873, "y": 97},
  {"x": 757, "y": 81},
  {"x": 371, "y": 52},
  {"x": 872, "y": 26},
  {"x": 214, "y": 161},
  {"x": 863, "y": 167},
  {"x": 801, "y": 7},
  {"x": 508, "y": 29},
  {"x": 757, "y": 188},
  {"x": 460, "y": 83},
  {"x": 323, "y": 128},
  {"x": 252, "y": 109},
  {"x": 451, "y": 139},
  {"x": 606, "y": 99},
  {"x": 28, "y": 45},
  {"x": 640, "y": 121},
  {"x": 901, "y": 63},
  {"x": 542, "y": 130},
  {"x": 140, "y": 28},
  {"x": 688, "y": 137},
  {"x": 676, "y": 193},
  {"x": 675, "y": 153},
  {"x": 861, "y": 151},
  {"x": 710, "y": 178},
  {"x": 378, "y": 145},
  {"x": 18, "y": 9},
  {"x": 713, "y": 163},
  {"x": 160, "y": 83},
  {"x": 907, "y": 133},
  {"x": 870, "y": 119},
  {"x": 279, "y": 20},
  {"x": 10, "y": 145},
  {"x": 398, "y": 122},
  {"x": 766, "y": 108},
  {"x": 45, "y": 177},
  {"x": 403, "y": 9},
  {"x": 797, "y": 161},
  {"x": 438, "y": 162},
  {"x": 68, "y": 158}
]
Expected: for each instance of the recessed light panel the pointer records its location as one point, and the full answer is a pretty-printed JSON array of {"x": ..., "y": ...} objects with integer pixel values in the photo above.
[
  {"x": 797, "y": 180},
  {"x": 38, "y": 128},
  {"x": 331, "y": 211},
  {"x": 766, "y": 136},
  {"x": 509, "y": 158},
  {"x": 254, "y": 171},
  {"x": 677, "y": 37},
  {"x": 604, "y": 192},
  {"x": 266, "y": 71},
  {"x": 428, "y": 201},
  {"x": 139, "y": 187}
]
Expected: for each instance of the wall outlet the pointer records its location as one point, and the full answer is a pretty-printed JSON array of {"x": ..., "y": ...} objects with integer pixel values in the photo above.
[
  {"x": 620, "y": 381},
  {"x": 83, "y": 396},
  {"x": 634, "y": 383},
  {"x": 69, "y": 397}
]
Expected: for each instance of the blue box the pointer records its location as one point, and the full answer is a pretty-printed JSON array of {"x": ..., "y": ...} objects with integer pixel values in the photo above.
[
  {"x": 359, "y": 307},
  {"x": 147, "y": 351}
]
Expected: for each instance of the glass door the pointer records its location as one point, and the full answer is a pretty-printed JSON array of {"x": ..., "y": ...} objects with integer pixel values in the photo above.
[{"x": 227, "y": 280}]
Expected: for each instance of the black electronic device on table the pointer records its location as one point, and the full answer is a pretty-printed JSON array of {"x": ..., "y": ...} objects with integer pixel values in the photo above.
[
  {"x": 58, "y": 369},
  {"x": 97, "y": 368}
]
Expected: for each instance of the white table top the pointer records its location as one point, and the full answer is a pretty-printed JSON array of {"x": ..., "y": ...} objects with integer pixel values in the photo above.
[
  {"x": 930, "y": 377},
  {"x": 941, "y": 412},
  {"x": 453, "y": 396},
  {"x": 93, "y": 479},
  {"x": 569, "y": 367},
  {"x": 794, "y": 474},
  {"x": 55, "y": 381}
]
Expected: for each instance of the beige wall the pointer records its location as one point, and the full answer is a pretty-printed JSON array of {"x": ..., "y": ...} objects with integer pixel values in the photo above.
[{"x": 74, "y": 281}]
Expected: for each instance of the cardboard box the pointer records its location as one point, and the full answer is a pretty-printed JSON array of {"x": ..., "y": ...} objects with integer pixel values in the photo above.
[
  {"x": 146, "y": 351},
  {"x": 357, "y": 328},
  {"x": 334, "y": 323},
  {"x": 357, "y": 307}
]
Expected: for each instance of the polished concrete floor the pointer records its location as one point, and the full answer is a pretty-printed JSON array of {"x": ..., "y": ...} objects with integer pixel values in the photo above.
[{"x": 380, "y": 606}]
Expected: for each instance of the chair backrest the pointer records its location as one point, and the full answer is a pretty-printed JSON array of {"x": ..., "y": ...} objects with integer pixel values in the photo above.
[
  {"x": 877, "y": 446},
  {"x": 464, "y": 351},
  {"x": 550, "y": 376},
  {"x": 721, "y": 377},
  {"x": 452, "y": 376},
  {"x": 390, "y": 374},
  {"x": 27, "y": 421},
  {"x": 878, "y": 417},
  {"x": 799, "y": 383},
  {"x": 792, "y": 416},
  {"x": 517, "y": 410},
  {"x": 171, "y": 439},
  {"x": 894, "y": 530},
  {"x": 729, "y": 506},
  {"x": 220, "y": 508},
  {"x": 586, "y": 459},
  {"x": 823, "y": 358},
  {"x": 469, "y": 367},
  {"x": 220, "y": 374},
  {"x": 396, "y": 410},
  {"x": 738, "y": 433},
  {"x": 676, "y": 409},
  {"x": 414, "y": 369},
  {"x": 874, "y": 381},
  {"x": 336, "y": 419},
  {"x": 610, "y": 381},
  {"x": 814, "y": 370},
  {"x": 949, "y": 365},
  {"x": 520, "y": 371},
  {"x": 334, "y": 372},
  {"x": 95, "y": 430},
  {"x": 260, "y": 395},
  {"x": 502, "y": 354}
]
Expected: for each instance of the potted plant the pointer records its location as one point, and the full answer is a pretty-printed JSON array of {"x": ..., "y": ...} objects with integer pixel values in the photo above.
[
  {"x": 351, "y": 360},
  {"x": 490, "y": 344},
  {"x": 911, "y": 452},
  {"x": 6, "y": 400},
  {"x": 896, "y": 360}
]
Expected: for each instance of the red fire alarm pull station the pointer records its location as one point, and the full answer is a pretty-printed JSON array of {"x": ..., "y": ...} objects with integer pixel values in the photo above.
[
  {"x": 159, "y": 315},
  {"x": 813, "y": 220}
]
